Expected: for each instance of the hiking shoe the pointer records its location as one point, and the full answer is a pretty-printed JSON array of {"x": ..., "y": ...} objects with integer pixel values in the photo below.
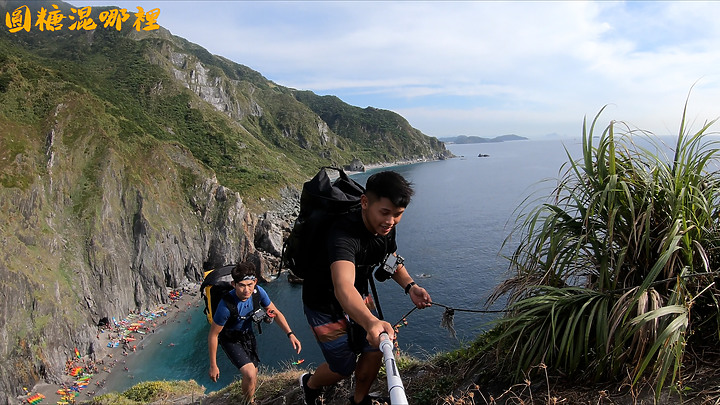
[
  {"x": 365, "y": 401},
  {"x": 378, "y": 398},
  {"x": 310, "y": 395}
]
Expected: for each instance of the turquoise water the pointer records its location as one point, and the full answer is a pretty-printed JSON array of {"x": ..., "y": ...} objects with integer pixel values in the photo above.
[{"x": 451, "y": 237}]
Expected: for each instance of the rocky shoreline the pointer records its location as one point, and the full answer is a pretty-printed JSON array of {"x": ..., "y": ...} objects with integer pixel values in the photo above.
[{"x": 118, "y": 341}]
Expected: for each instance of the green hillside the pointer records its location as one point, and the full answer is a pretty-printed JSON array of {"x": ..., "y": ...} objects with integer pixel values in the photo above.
[{"x": 257, "y": 137}]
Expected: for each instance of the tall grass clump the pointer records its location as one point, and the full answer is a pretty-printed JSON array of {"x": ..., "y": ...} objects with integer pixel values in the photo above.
[{"x": 614, "y": 275}]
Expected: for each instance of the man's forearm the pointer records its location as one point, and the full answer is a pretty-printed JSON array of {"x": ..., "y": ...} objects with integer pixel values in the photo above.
[
  {"x": 402, "y": 277},
  {"x": 212, "y": 350},
  {"x": 353, "y": 304},
  {"x": 282, "y": 322}
]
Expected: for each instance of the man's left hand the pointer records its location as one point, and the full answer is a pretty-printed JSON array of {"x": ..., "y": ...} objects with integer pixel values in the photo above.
[
  {"x": 420, "y": 297},
  {"x": 295, "y": 343}
]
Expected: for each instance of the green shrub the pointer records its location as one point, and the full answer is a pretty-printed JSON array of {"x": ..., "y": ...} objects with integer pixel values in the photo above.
[
  {"x": 150, "y": 391},
  {"x": 610, "y": 264}
]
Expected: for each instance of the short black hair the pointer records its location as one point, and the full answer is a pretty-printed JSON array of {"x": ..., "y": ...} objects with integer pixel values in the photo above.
[
  {"x": 391, "y": 185},
  {"x": 243, "y": 270}
]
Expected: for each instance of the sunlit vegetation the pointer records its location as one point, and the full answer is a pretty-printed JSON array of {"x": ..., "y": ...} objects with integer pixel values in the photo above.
[{"x": 614, "y": 275}]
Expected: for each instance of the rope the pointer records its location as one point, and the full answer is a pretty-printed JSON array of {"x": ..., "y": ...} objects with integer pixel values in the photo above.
[
  {"x": 449, "y": 308},
  {"x": 396, "y": 324},
  {"x": 481, "y": 311},
  {"x": 447, "y": 320}
]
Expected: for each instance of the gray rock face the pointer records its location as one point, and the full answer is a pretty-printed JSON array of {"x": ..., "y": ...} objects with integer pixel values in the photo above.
[
  {"x": 269, "y": 236},
  {"x": 219, "y": 92},
  {"x": 356, "y": 165},
  {"x": 75, "y": 249}
]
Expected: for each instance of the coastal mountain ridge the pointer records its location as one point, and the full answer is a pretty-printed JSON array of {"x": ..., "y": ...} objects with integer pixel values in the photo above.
[
  {"x": 464, "y": 139},
  {"x": 132, "y": 161}
]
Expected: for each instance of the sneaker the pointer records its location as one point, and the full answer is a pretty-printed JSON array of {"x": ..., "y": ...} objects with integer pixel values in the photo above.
[
  {"x": 379, "y": 398},
  {"x": 365, "y": 401},
  {"x": 310, "y": 395}
]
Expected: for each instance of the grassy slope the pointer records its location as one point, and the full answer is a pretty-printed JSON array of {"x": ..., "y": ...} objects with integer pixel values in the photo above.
[{"x": 254, "y": 155}]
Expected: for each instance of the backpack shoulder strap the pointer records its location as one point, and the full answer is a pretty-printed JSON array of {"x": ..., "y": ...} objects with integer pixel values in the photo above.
[
  {"x": 256, "y": 300},
  {"x": 231, "y": 306}
]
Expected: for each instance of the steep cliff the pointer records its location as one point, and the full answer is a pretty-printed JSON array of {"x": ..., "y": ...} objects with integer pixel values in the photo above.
[
  {"x": 129, "y": 163},
  {"x": 96, "y": 227}
]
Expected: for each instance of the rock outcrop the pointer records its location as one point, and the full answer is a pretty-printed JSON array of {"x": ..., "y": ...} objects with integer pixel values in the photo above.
[
  {"x": 94, "y": 233},
  {"x": 356, "y": 165}
]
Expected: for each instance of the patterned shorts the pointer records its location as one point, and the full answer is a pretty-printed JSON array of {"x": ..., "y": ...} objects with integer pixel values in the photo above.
[{"x": 331, "y": 333}]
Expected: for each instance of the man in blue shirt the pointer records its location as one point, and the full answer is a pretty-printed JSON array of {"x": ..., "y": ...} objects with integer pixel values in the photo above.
[{"x": 236, "y": 336}]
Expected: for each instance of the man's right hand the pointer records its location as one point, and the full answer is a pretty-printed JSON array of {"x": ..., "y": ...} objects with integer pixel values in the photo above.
[
  {"x": 375, "y": 329},
  {"x": 214, "y": 373}
]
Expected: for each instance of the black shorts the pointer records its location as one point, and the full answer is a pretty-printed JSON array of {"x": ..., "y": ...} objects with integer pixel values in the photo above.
[{"x": 241, "y": 348}]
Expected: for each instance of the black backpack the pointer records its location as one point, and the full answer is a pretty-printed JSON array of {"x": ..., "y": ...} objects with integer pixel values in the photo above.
[
  {"x": 321, "y": 202},
  {"x": 216, "y": 287}
]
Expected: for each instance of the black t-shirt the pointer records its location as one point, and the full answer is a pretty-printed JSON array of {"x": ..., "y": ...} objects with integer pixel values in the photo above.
[{"x": 348, "y": 239}]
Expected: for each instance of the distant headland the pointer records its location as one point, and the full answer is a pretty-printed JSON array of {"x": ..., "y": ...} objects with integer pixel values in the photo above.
[{"x": 477, "y": 139}]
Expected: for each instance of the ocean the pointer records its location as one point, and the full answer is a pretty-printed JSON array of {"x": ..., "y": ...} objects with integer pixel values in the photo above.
[{"x": 451, "y": 237}]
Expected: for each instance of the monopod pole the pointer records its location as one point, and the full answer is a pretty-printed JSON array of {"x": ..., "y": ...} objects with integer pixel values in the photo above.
[{"x": 394, "y": 383}]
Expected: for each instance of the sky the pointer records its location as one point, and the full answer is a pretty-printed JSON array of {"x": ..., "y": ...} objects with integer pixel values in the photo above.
[{"x": 482, "y": 68}]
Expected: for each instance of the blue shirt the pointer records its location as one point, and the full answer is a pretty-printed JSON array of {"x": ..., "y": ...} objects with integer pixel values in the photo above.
[{"x": 245, "y": 308}]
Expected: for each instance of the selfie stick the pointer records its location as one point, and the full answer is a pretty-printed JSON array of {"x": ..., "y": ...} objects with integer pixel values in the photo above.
[{"x": 394, "y": 383}]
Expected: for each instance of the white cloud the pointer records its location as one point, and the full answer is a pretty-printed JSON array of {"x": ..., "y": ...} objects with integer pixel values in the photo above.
[{"x": 478, "y": 67}]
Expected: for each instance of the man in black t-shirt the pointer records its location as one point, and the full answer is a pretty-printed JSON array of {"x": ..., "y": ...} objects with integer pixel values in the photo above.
[{"x": 337, "y": 304}]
